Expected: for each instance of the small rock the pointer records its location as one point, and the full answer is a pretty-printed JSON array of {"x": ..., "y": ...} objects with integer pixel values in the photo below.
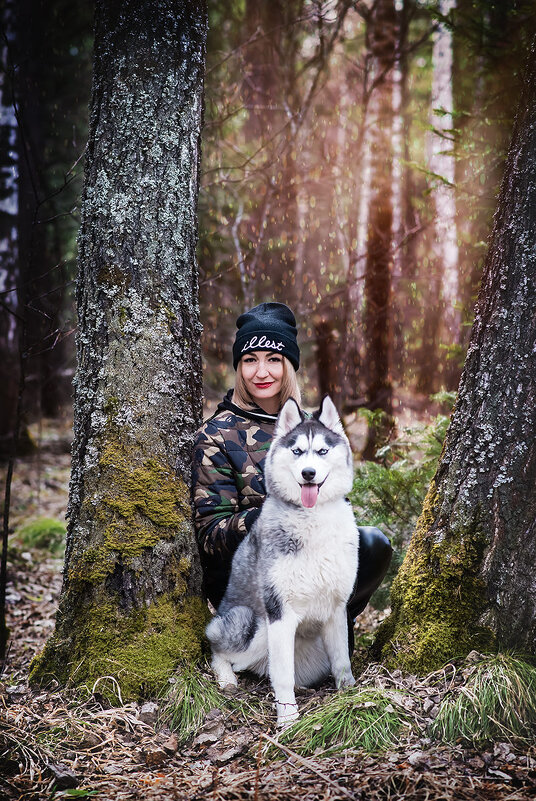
[
  {"x": 428, "y": 705},
  {"x": 64, "y": 778},
  {"x": 91, "y": 740},
  {"x": 416, "y": 758},
  {"x": 221, "y": 757},
  {"x": 111, "y": 768},
  {"x": 474, "y": 656},
  {"x": 212, "y": 714},
  {"x": 154, "y": 756},
  {"x": 305, "y": 691},
  {"x": 16, "y": 689},
  {"x": 171, "y": 745},
  {"x": 148, "y": 712},
  {"x": 210, "y": 734}
]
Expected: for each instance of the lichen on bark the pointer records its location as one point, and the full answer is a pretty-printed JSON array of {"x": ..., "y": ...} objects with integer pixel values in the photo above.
[{"x": 131, "y": 599}]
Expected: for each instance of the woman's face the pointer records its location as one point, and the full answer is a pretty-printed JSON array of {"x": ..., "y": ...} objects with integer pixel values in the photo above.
[{"x": 262, "y": 372}]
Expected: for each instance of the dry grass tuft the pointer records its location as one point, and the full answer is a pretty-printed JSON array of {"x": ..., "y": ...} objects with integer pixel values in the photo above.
[{"x": 497, "y": 702}]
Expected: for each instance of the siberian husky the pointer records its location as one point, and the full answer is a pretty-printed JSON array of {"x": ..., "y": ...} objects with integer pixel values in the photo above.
[{"x": 284, "y": 610}]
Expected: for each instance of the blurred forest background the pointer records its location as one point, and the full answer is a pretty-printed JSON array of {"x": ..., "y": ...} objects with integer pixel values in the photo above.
[{"x": 352, "y": 155}]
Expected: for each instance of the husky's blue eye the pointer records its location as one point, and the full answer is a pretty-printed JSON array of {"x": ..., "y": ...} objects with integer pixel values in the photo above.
[
  {"x": 322, "y": 451},
  {"x": 297, "y": 451}
]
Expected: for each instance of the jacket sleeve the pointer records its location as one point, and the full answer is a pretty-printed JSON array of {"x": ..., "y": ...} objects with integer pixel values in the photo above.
[{"x": 220, "y": 524}]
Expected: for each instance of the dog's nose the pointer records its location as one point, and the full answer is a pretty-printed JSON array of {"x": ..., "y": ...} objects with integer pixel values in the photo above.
[{"x": 308, "y": 473}]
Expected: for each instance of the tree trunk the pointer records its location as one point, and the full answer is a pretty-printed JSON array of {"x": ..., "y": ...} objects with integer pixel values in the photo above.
[
  {"x": 10, "y": 308},
  {"x": 46, "y": 389},
  {"x": 377, "y": 317},
  {"x": 130, "y": 605},
  {"x": 469, "y": 577},
  {"x": 442, "y": 164}
]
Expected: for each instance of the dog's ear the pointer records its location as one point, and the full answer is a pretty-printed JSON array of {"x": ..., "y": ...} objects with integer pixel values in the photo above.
[
  {"x": 289, "y": 417},
  {"x": 329, "y": 417}
]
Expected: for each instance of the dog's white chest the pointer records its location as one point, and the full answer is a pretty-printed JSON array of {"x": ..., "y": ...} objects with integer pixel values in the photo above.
[{"x": 320, "y": 574}]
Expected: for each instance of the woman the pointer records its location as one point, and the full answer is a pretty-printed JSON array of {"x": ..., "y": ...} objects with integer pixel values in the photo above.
[{"x": 231, "y": 447}]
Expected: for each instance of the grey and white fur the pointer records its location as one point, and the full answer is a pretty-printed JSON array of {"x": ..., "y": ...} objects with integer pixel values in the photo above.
[{"x": 284, "y": 611}]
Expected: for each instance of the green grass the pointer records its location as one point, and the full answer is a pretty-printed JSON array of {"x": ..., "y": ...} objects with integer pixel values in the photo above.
[
  {"x": 497, "y": 702},
  {"x": 188, "y": 700},
  {"x": 44, "y": 534},
  {"x": 195, "y": 693},
  {"x": 366, "y": 719}
]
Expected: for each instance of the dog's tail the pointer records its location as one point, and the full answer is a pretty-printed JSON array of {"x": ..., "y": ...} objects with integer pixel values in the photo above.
[{"x": 234, "y": 630}]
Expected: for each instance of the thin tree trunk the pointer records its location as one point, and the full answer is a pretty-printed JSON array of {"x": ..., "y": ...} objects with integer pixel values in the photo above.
[
  {"x": 10, "y": 306},
  {"x": 442, "y": 164},
  {"x": 469, "y": 577},
  {"x": 130, "y": 605},
  {"x": 378, "y": 268}
]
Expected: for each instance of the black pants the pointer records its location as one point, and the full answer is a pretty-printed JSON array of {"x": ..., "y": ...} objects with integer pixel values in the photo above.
[{"x": 374, "y": 559}]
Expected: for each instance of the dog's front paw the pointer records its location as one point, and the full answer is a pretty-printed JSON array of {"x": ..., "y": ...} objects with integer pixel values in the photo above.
[
  {"x": 224, "y": 672},
  {"x": 287, "y": 716},
  {"x": 346, "y": 680}
]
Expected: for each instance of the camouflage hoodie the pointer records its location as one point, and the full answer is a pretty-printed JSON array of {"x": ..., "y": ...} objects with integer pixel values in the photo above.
[{"x": 228, "y": 486}]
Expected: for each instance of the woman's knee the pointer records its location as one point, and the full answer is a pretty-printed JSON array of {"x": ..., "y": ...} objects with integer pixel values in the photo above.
[{"x": 374, "y": 546}]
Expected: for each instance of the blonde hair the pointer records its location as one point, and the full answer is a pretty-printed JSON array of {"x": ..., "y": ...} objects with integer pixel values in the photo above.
[{"x": 289, "y": 387}]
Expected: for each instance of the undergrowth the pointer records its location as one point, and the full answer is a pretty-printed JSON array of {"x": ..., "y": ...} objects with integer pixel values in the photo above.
[
  {"x": 497, "y": 702},
  {"x": 45, "y": 534},
  {"x": 366, "y": 719},
  {"x": 389, "y": 492}
]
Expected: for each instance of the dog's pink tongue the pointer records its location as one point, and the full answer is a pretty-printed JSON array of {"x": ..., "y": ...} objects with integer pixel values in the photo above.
[{"x": 309, "y": 494}]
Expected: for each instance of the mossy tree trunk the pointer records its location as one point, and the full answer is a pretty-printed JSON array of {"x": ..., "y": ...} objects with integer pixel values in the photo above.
[
  {"x": 130, "y": 605},
  {"x": 469, "y": 577}
]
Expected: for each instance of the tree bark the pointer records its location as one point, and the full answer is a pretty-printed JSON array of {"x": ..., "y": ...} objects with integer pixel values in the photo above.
[
  {"x": 10, "y": 305},
  {"x": 469, "y": 577},
  {"x": 130, "y": 605},
  {"x": 377, "y": 292}
]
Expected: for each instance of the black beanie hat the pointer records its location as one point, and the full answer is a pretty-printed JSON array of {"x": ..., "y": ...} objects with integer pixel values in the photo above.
[{"x": 269, "y": 326}]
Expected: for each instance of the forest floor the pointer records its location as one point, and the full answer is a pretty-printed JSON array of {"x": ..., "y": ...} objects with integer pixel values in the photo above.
[{"x": 58, "y": 744}]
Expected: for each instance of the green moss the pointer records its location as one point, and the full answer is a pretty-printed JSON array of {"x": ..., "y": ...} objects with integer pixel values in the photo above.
[
  {"x": 140, "y": 651},
  {"x": 140, "y": 506},
  {"x": 93, "y": 565},
  {"x": 98, "y": 633},
  {"x": 436, "y": 598},
  {"x": 141, "y": 503},
  {"x": 111, "y": 406}
]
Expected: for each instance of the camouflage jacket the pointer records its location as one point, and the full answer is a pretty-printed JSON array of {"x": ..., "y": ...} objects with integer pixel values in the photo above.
[{"x": 228, "y": 486}]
